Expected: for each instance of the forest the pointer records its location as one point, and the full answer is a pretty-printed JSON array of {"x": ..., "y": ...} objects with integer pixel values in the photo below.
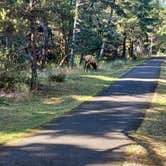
[
  {"x": 35, "y": 34},
  {"x": 56, "y": 55}
]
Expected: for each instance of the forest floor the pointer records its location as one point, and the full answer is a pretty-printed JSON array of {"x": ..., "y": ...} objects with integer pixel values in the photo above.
[
  {"x": 97, "y": 132},
  {"x": 150, "y": 139},
  {"x": 23, "y": 114}
]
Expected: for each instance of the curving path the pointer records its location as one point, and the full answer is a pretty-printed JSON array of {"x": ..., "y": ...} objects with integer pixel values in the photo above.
[{"x": 96, "y": 133}]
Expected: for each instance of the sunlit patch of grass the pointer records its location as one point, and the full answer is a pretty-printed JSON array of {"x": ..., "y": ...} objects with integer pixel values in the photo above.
[
  {"x": 81, "y": 98},
  {"x": 155, "y": 151},
  {"x": 152, "y": 133},
  {"x": 136, "y": 149},
  {"x": 10, "y": 136},
  {"x": 55, "y": 99},
  {"x": 104, "y": 78},
  {"x": 52, "y": 100},
  {"x": 136, "y": 156}
]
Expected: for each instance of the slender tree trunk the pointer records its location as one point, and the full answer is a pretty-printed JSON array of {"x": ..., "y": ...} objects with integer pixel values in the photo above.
[
  {"x": 71, "y": 57},
  {"x": 33, "y": 53},
  {"x": 67, "y": 43},
  {"x": 7, "y": 41},
  {"x": 151, "y": 45},
  {"x": 102, "y": 51},
  {"x": 33, "y": 49},
  {"x": 104, "y": 41},
  {"x": 124, "y": 47},
  {"x": 81, "y": 58},
  {"x": 131, "y": 53},
  {"x": 63, "y": 61},
  {"x": 45, "y": 29}
]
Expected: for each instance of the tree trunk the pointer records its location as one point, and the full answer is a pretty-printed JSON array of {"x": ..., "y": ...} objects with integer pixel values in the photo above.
[
  {"x": 124, "y": 47},
  {"x": 7, "y": 41},
  {"x": 75, "y": 30},
  {"x": 81, "y": 58},
  {"x": 45, "y": 31},
  {"x": 131, "y": 53},
  {"x": 104, "y": 42},
  {"x": 62, "y": 61},
  {"x": 33, "y": 53},
  {"x": 102, "y": 51},
  {"x": 33, "y": 49},
  {"x": 151, "y": 45}
]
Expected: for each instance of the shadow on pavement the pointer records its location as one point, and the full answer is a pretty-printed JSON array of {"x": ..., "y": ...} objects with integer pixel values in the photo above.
[{"x": 96, "y": 132}]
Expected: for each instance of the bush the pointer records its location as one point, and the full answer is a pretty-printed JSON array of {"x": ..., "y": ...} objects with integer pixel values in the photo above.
[
  {"x": 7, "y": 80},
  {"x": 57, "y": 76},
  {"x": 10, "y": 79}
]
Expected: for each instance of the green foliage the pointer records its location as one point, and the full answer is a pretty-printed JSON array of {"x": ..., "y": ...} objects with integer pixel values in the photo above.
[
  {"x": 57, "y": 76},
  {"x": 9, "y": 80},
  {"x": 140, "y": 23},
  {"x": 161, "y": 33}
]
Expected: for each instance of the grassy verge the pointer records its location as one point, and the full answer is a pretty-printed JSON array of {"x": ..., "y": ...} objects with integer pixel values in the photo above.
[
  {"x": 150, "y": 139},
  {"x": 55, "y": 99}
]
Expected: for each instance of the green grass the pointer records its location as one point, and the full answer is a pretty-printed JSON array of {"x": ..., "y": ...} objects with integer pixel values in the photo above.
[
  {"x": 151, "y": 136},
  {"x": 20, "y": 116}
]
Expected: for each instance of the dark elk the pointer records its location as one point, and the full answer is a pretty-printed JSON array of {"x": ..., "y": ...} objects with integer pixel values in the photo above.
[{"x": 90, "y": 62}]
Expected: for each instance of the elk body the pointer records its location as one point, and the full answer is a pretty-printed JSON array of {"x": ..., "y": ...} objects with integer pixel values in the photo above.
[{"x": 90, "y": 62}]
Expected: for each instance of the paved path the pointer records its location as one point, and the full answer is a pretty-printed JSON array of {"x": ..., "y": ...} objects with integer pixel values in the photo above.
[{"x": 96, "y": 133}]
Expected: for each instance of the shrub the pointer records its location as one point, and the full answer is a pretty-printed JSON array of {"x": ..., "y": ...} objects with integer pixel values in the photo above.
[
  {"x": 10, "y": 79},
  {"x": 57, "y": 76},
  {"x": 7, "y": 80},
  {"x": 2, "y": 100}
]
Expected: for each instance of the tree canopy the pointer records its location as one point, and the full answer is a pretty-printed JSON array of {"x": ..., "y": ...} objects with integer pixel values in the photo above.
[{"x": 37, "y": 33}]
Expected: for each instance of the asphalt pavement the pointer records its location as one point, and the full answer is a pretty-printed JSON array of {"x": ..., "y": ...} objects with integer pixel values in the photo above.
[{"x": 97, "y": 131}]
